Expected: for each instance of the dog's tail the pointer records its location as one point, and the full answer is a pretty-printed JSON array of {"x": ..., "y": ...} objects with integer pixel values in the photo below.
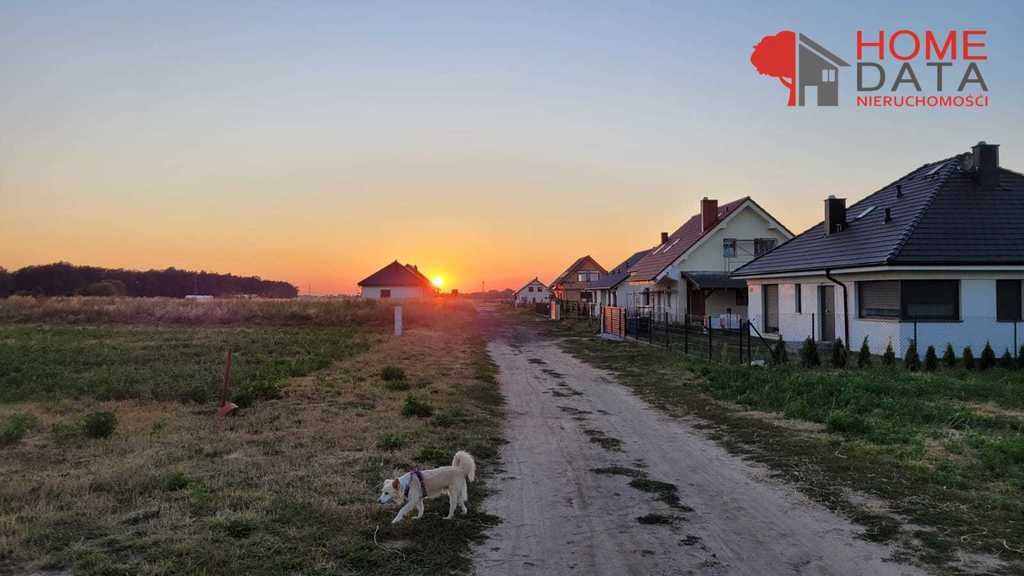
[{"x": 464, "y": 462}]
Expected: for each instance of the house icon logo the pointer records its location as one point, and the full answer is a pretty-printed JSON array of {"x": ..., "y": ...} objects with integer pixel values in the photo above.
[{"x": 807, "y": 69}]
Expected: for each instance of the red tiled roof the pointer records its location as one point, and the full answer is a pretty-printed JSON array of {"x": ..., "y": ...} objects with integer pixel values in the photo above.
[
  {"x": 395, "y": 274},
  {"x": 648, "y": 268}
]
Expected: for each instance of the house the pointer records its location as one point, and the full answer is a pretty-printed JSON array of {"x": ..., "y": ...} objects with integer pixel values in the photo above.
[
  {"x": 818, "y": 70},
  {"x": 612, "y": 288},
  {"x": 936, "y": 256},
  {"x": 531, "y": 293},
  {"x": 687, "y": 276},
  {"x": 399, "y": 281},
  {"x": 573, "y": 285}
]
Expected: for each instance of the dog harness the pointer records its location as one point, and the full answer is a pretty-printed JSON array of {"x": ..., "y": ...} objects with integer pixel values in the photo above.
[{"x": 419, "y": 476}]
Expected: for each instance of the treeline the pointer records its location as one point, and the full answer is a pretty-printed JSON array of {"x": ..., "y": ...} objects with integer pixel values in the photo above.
[{"x": 63, "y": 279}]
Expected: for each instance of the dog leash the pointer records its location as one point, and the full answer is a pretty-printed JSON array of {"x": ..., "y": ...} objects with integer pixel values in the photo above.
[{"x": 419, "y": 476}]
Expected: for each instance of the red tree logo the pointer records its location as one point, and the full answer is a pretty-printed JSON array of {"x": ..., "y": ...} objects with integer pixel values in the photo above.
[{"x": 776, "y": 56}]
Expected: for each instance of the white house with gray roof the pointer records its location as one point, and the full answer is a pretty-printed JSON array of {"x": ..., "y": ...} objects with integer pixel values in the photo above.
[{"x": 936, "y": 256}]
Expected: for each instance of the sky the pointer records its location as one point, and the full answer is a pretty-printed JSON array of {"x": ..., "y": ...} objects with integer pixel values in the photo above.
[{"x": 488, "y": 142}]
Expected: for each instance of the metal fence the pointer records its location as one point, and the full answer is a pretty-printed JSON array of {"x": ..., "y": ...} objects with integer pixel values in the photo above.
[{"x": 709, "y": 337}]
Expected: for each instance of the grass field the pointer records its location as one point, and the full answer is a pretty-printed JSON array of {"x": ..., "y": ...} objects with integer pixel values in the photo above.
[
  {"x": 931, "y": 460},
  {"x": 287, "y": 486}
]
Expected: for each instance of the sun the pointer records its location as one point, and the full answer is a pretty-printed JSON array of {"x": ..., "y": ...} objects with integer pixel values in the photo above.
[{"x": 438, "y": 281}]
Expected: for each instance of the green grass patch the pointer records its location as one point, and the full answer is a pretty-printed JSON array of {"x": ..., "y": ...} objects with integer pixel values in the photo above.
[{"x": 120, "y": 362}]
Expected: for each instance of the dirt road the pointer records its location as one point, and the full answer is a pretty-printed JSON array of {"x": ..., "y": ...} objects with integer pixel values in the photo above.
[{"x": 597, "y": 482}]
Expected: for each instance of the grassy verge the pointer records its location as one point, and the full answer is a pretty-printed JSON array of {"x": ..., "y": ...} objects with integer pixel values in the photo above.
[
  {"x": 288, "y": 486},
  {"x": 931, "y": 461}
]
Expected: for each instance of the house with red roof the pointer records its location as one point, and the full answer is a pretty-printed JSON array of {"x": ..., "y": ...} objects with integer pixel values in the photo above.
[
  {"x": 396, "y": 281},
  {"x": 687, "y": 276}
]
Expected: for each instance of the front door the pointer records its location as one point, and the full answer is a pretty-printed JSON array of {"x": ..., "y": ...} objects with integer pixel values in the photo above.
[
  {"x": 695, "y": 306},
  {"x": 827, "y": 311}
]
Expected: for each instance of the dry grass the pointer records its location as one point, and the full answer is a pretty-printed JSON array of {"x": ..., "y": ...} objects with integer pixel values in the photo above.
[
  {"x": 221, "y": 311},
  {"x": 288, "y": 486}
]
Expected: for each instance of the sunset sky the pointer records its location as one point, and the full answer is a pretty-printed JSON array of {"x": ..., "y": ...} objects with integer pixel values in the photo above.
[{"x": 315, "y": 142}]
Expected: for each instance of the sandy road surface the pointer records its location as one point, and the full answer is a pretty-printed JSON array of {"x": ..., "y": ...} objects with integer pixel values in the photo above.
[{"x": 566, "y": 419}]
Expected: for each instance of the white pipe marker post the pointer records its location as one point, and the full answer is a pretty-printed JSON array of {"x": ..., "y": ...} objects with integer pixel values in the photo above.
[{"x": 398, "y": 320}]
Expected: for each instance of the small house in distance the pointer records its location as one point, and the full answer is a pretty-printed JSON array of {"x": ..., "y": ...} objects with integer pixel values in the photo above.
[
  {"x": 532, "y": 293},
  {"x": 398, "y": 281},
  {"x": 935, "y": 257}
]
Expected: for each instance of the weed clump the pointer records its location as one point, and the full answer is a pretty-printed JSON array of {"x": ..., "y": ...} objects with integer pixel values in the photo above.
[
  {"x": 391, "y": 441},
  {"x": 450, "y": 417},
  {"x": 99, "y": 424},
  {"x": 911, "y": 360},
  {"x": 414, "y": 407},
  {"x": 174, "y": 481},
  {"x": 842, "y": 422},
  {"x": 931, "y": 360},
  {"x": 889, "y": 357},
  {"x": 392, "y": 373},
  {"x": 838, "y": 354},
  {"x": 949, "y": 358},
  {"x": 988, "y": 357},
  {"x": 809, "y": 357},
  {"x": 16, "y": 427},
  {"x": 864, "y": 356}
]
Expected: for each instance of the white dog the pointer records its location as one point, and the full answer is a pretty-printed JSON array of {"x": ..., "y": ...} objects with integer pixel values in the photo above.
[{"x": 415, "y": 486}]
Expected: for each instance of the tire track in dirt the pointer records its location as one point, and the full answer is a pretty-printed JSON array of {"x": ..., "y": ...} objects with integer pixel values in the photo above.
[{"x": 598, "y": 482}]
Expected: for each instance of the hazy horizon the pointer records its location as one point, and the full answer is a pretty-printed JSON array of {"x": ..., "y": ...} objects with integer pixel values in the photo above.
[{"x": 315, "y": 143}]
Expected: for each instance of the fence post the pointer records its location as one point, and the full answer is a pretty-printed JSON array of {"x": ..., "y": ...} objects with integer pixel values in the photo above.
[
  {"x": 812, "y": 328},
  {"x": 1016, "y": 349},
  {"x": 686, "y": 333},
  {"x": 668, "y": 345},
  {"x": 710, "y": 342},
  {"x": 915, "y": 332}
]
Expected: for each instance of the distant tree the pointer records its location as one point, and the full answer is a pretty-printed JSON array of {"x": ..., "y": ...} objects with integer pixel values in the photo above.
[
  {"x": 911, "y": 360},
  {"x": 949, "y": 358},
  {"x": 105, "y": 288},
  {"x": 968, "y": 357},
  {"x": 864, "y": 356},
  {"x": 1020, "y": 358},
  {"x": 988, "y": 357},
  {"x": 931, "y": 359},
  {"x": 63, "y": 279},
  {"x": 889, "y": 357},
  {"x": 809, "y": 357},
  {"x": 6, "y": 283},
  {"x": 838, "y": 354},
  {"x": 775, "y": 56}
]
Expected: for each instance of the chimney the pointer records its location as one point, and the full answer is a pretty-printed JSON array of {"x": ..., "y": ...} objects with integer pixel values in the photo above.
[
  {"x": 664, "y": 237},
  {"x": 835, "y": 215},
  {"x": 708, "y": 213},
  {"x": 984, "y": 163}
]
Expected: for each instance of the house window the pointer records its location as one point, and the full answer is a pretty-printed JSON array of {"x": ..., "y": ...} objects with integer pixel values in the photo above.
[
  {"x": 646, "y": 297},
  {"x": 878, "y": 299},
  {"x": 729, "y": 248},
  {"x": 385, "y": 293},
  {"x": 828, "y": 75},
  {"x": 763, "y": 246},
  {"x": 798, "y": 303},
  {"x": 588, "y": 276},
  {"x": 930, "y": 300},
  {"x": 1008, "y": 301},
  {"x": 530, "y": 288},
  {"x": 771, "y": 308}
]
